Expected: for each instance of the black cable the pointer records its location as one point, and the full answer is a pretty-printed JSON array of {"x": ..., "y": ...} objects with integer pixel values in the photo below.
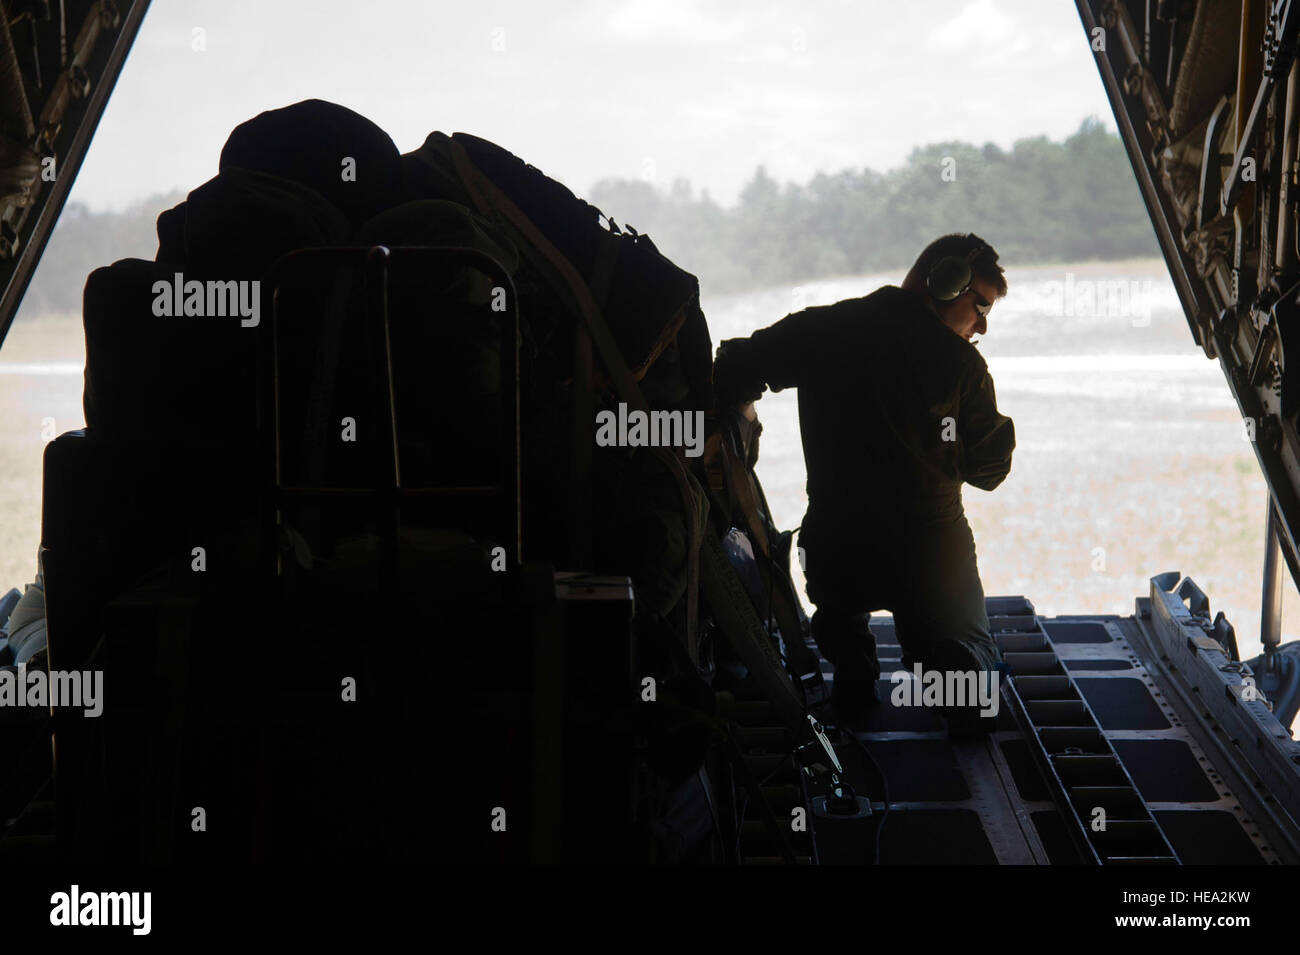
[
  {"x": 740, "y": 827},
  {"x": 884, "y": 785}
]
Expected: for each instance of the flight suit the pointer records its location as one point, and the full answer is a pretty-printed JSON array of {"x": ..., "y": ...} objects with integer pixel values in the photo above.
[{"x": 896, "y": 413}]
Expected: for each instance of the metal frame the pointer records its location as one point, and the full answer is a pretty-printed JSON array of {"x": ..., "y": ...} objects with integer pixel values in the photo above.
[
  {"x": 1128, "y": 642},
  {"x": 1270, "y": 624},
  {"x": 308, "y": 268},
  {"x": 1247, "y": 738},
  {"x": 79, "y": 125},
  {"x": 1222, "y": 323},
  {"x": 1051, "y": 764},
  {"x": 1196, "y": 304}
]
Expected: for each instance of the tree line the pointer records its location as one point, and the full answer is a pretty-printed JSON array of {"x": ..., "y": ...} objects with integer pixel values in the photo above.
[
  {"x": 1040, "y": 201},
  {"x": 84, "y": 240}
]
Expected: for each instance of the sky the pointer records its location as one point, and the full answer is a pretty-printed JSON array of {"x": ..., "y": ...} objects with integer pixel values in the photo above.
[{"x": 588, "y": 89}]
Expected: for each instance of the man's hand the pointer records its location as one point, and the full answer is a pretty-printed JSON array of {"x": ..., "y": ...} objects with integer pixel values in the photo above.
[{"x": 733, "y": 384}]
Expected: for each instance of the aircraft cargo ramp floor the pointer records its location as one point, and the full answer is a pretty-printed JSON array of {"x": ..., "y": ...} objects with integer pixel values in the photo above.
[{"x": 1101, "y": 756}]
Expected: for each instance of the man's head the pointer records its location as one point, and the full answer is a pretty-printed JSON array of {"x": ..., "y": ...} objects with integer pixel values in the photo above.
[{"x": 960, "y": 277}]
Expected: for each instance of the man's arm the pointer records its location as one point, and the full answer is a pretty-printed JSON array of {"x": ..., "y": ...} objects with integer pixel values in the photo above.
[
  {"x": 774, "y": 356},
  {"x": 987, "y": 437}
]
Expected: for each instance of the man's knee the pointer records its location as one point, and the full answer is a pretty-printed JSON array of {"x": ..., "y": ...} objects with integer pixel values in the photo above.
[
  {"x": 965, "y": 638},
  {"x": 962, "y": 653},
  {"x": 843, "y": 635}
]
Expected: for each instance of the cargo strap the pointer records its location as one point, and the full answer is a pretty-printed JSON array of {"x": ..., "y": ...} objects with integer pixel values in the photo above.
[
  {"x": 491, "y": 201},
  {"x": 737, "y": 481},
  {"x": 735, "y": 615}
]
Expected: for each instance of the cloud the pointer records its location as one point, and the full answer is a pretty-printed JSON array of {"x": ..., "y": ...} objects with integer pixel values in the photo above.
[
  {"x": 677, "y": 20},
  {"x": 981, "y": 25}
]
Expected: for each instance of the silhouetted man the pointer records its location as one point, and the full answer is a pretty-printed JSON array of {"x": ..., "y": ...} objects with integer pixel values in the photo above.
[{"x": 897, "y": 411}]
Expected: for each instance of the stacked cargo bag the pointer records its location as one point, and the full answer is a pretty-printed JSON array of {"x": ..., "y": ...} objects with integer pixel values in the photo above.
[
  {"x": 268, "y": 198},
  {"x": 171, "y": 453},
  {"x": 650, "y": 305},
  {"x": 608, "y": 319},
  {"x": 330, "y": 149},
  {"x": 398, "y": 627},
  {"x": 229, "y": 229},
  {"x": 575, "y": 271},
  {"x": 446, "y": 344},
  {"x": 172, "y": 444},
  {"x": 327, "y": 353},
  {"x": 175, "y": 455}
]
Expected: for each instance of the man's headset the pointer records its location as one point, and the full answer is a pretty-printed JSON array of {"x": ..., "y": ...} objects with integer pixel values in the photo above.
[{"x": 952, "y": 275}]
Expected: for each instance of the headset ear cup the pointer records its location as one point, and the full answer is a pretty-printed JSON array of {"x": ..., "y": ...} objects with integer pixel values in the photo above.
[{"x": 949, "y": 277}]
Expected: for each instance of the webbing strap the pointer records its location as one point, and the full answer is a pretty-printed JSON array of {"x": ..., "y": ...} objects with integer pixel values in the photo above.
[
  {"x": 491, "y": 201},
  {"x": 739, "y": 482},
  {"x": 580, "y": 477}
]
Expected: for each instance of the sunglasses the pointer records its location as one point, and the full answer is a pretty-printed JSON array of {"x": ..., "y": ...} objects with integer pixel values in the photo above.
[{"x": 982, "y": 305}]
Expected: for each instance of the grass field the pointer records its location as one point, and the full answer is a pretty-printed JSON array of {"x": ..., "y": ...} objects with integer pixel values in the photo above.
[
  {"x": 40, "y": 396},
  {"x": 1130, "y": 459}
]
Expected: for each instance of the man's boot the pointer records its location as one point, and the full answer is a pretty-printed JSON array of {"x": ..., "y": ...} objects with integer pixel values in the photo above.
[
  {"x": 846, "y": 641},
  {"x": 968, "y": 721}
]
